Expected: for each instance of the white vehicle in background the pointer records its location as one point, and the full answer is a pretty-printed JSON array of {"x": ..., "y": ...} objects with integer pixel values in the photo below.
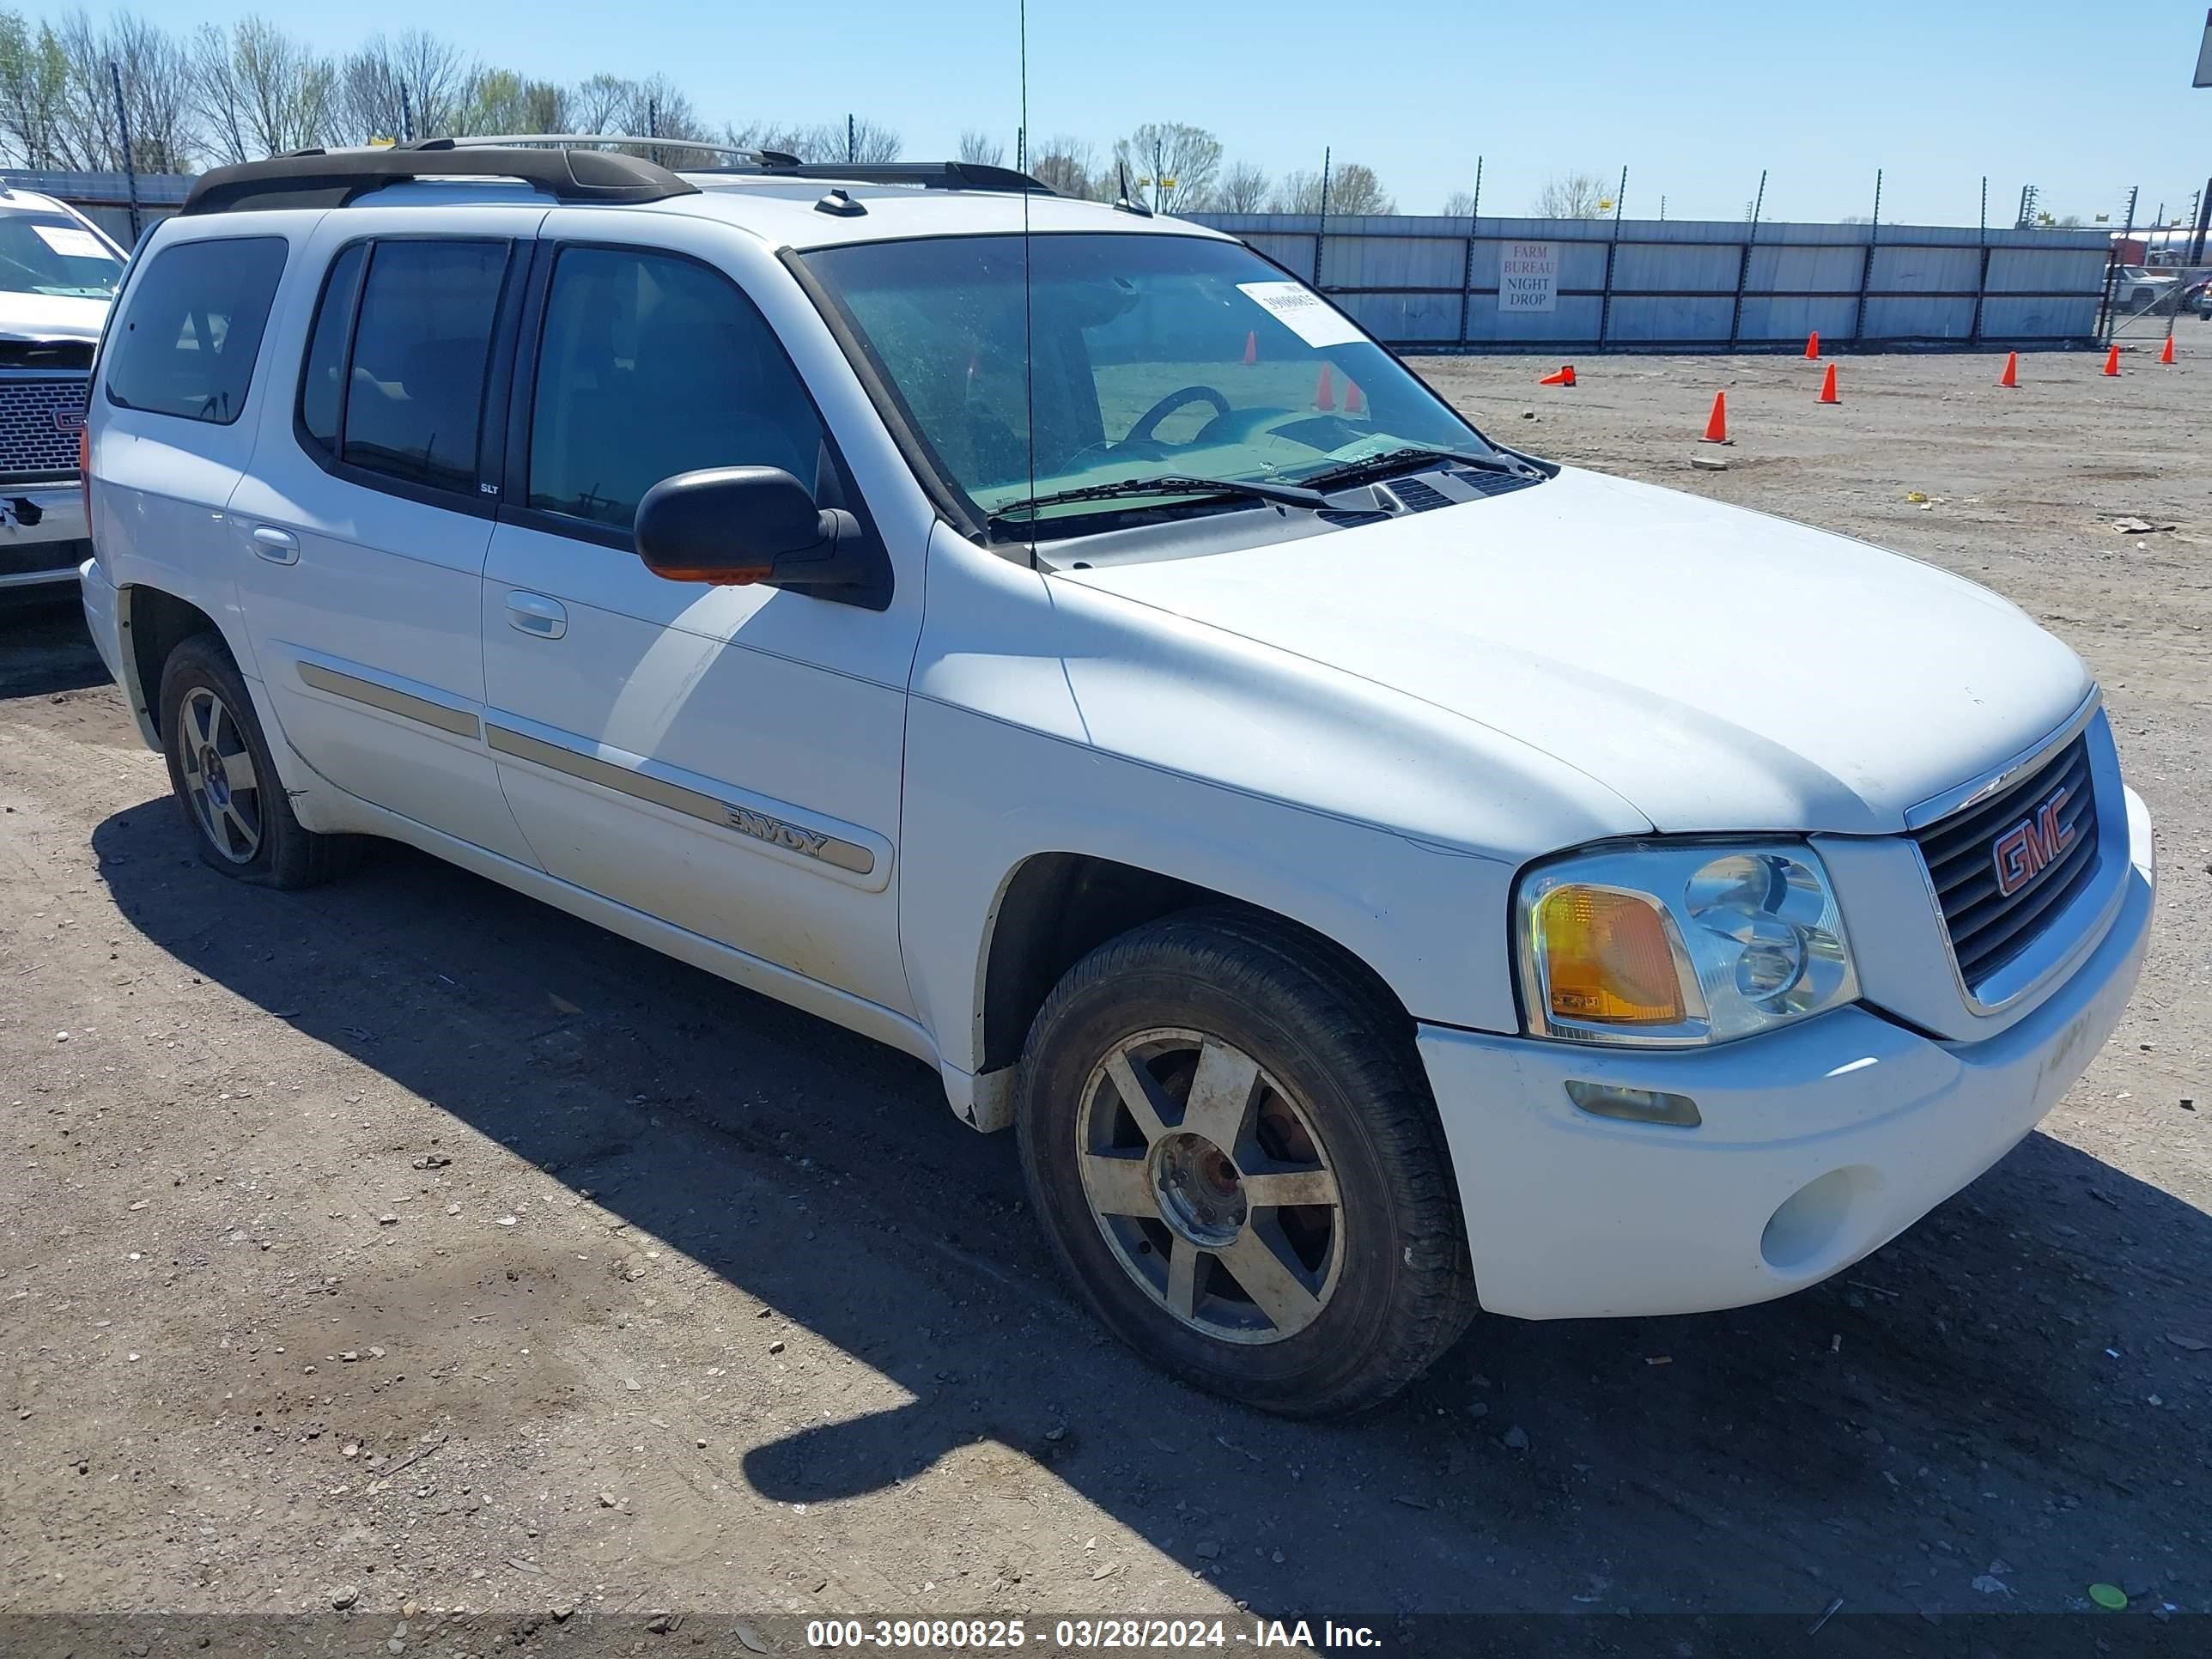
[
  {"x": 2139, "y": 290},
  {"x": 58, "y": 272},
  {"x": 1379, "y": 873}
]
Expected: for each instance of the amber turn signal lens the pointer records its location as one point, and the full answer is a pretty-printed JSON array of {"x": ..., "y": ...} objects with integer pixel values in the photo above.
[{"x": 1606, "y": 957}]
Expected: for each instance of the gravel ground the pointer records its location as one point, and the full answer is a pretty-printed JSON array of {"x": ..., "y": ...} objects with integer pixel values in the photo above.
[{"x": 407, "y": 1243}]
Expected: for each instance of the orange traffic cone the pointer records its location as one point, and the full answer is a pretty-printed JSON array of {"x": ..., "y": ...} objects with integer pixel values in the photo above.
[
  {"x": 1563, "y": 376},
  {"x": 1251, "y": 347},
  {"x": 1354, "y": 403},
  {"x": 1716, "y": 427},
  {"x": 2011, "y": 375},
  {"x": 2166, "y": 352},
  {"x": 1828, "y": 386},
  {"x": 1325, "y": 390},
  {"x": 1813, "y": 345},
  {"x": 2112, "y": 363}
]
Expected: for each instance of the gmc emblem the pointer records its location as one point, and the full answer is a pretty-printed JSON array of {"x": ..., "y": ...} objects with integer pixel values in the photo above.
[
  {"x": 2031, "y": 846},
  {"x": 69, "y": 422}
]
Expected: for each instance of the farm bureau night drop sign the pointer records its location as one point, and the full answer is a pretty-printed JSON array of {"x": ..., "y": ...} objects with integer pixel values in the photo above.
[{"x": 1528, "y": 276}]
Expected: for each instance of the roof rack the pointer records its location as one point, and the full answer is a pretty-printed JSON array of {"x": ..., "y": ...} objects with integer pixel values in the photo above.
[
  {"x": 767, "y": 158},
  {"x": 929, "y": 175},
  {"x": 333, "y": 178}
]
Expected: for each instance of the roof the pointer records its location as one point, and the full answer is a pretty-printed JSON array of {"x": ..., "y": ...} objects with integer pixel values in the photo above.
[
  {"x": 780, "y": 201},
  {"x": 783, "y": 212}
]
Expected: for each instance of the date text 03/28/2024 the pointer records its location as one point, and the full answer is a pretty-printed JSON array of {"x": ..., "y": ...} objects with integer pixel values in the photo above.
[{"x": 1086, "y": 1636}]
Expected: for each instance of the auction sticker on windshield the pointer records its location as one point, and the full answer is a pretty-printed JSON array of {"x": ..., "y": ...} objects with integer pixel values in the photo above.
[
  {"x": 70, "y": 242},
  {"x": 1304, "y": 312}
]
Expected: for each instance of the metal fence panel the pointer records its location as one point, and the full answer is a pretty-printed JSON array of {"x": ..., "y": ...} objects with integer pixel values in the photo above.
[
  {"x": 1917, "y": 317},
  {"x": 1771, "y": 320},
  {"x": 1425, "y": 318},
  {"x": 1673, "y": 267},
  {"x": 1426, "y": 281},
  {"x": 1393, "y": 262},
  {"x": 1920, "y": 270}
]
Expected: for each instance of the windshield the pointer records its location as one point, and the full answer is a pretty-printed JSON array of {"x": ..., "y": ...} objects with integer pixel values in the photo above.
[
  {"x": 50, "y": 253},
  {"x": 1156, "y": 356}
]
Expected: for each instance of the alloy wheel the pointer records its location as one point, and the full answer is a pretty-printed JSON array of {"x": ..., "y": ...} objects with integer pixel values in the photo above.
[
  {"x": 220, "y": 779},
  {"x": 1213, "y": 1189}
]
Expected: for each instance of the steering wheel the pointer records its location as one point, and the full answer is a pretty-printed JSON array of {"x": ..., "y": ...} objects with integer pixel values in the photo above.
[{"x": 1142, "y": 431}]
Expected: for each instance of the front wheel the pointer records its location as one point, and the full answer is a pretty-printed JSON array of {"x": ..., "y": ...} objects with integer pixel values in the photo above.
[{"x": 1229, "y": 1140}]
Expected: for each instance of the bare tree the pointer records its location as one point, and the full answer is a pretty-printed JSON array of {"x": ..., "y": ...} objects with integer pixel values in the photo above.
[
  {"x": 500, "y": 101},
  {"x": 596, "y": 105},
  {"x": 982, "y": 148},
  {"x": 156, "y": 91},
  {"x": 1460, "y": 204},
  {"x": 1242, "y": 188},
  {"x": 259, "y": 91},
  {"x": 871, "y": 142},
  {"x": 1164, "y": 150},
  {"x": 34, "y": 102},
  {"x": 1571, "y": 196},
  {"x": 1065, "y": 165},
  {"x": 1296, "y": 192},
  {"x": 1354, "y": 189},
  {"x": 411, "y": 88},
  {"x": 149, "y": 64}
]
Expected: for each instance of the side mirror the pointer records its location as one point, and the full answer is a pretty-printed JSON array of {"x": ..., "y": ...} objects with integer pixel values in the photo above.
[{"x": 737, "y": 525}]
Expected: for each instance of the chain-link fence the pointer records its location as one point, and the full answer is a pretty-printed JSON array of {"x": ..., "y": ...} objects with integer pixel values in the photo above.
[{"x": 2149, "y": 301}]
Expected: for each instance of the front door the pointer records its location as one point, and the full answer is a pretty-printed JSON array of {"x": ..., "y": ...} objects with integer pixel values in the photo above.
[{"x": 723, "y": 758}]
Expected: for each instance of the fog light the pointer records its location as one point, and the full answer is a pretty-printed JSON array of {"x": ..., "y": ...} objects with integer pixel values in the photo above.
[{"x": 1636, "y": 1105}]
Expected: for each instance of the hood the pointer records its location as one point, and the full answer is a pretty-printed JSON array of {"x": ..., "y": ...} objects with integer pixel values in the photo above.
[
  {"x": 49, "y": 316},
  {"x": 1717, "y": 669}
]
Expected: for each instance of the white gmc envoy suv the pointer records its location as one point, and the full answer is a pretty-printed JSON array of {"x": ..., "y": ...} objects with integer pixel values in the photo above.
[{"x": 1380, "y": 874}]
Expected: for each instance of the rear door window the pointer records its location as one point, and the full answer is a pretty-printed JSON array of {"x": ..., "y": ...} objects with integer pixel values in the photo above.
[
  {"x": 193, "y": 328},
  {"x": 415, "y": 380}
]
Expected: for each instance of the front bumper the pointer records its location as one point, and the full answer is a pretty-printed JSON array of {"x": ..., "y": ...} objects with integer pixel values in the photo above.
[
  {"x": 42, "y": 533},
  {"x": 1820, "y": 1144}
]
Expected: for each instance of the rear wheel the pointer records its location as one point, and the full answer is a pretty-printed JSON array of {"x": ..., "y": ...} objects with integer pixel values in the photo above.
[
  {"x": 1231, "y": 1146},
  {"x": 226, "y": 783}
]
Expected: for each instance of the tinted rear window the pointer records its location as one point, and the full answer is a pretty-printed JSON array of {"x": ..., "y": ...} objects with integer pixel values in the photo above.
[
  {"x": 414, "y": 398},
  {"x": 193, "y": 328}
]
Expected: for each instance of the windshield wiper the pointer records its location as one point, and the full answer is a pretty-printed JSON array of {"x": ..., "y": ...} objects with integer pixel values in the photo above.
[
  {"x": 1398, "y": 460},
  {"x": 1287, "y": 494}
]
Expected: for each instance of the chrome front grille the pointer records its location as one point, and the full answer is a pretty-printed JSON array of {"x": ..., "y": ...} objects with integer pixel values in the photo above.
[
  {"x": 1973, "y": 854},
  {"x": 39, "y": 418}
]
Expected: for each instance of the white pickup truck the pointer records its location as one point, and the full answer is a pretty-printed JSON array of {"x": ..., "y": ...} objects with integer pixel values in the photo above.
[
  {"x": 58, "y": 275},
  {"x": 1380, "y": 874}
]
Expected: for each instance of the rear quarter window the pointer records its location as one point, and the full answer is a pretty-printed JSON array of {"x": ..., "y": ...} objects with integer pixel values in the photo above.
[{"x": 191, "y": 328}]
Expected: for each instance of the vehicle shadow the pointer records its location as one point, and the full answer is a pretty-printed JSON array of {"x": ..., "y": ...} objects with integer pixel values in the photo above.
[
  {"x": 44, "y": 647},
  {"x": 1970, "y": 1404}
]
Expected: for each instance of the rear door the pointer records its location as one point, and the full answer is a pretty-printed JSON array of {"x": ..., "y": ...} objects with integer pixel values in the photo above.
[
  {"x": 364, "y": 522},
  {"x": 187, "y": 368}
]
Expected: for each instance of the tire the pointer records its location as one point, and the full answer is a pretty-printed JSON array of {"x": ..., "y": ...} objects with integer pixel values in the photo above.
[
  {"x": 226, "y": 782},
  {"x": 1312, "y": 1084}
]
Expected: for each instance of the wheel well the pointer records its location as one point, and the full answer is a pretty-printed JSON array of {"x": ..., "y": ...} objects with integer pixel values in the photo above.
[
  {"x": 1059, "y": 907},
  {"x": 158, "y": 622}
]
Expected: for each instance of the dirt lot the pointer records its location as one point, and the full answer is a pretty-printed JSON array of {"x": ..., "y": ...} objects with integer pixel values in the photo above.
[{"x": 409, "y": 1242}]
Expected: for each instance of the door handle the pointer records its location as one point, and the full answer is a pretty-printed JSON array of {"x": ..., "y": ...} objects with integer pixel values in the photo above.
[
  {"x": 536, "y": 615},
  {"x": 278, "y": 546}
]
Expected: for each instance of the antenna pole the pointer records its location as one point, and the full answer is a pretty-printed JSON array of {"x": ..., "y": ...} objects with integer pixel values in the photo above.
[
  {"x": 406, "y": 116},
  {"x": 1029, "y": 293},
  {"x": 852, "y": 141},
  {"x": 123, "y": 130}
]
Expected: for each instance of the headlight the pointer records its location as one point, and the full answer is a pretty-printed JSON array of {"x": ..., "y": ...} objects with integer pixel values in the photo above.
[{"x": 1661, "y": 945}]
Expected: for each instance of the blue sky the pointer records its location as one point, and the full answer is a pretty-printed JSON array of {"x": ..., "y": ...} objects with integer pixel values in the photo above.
[{"x": 1694, "y": 99}]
